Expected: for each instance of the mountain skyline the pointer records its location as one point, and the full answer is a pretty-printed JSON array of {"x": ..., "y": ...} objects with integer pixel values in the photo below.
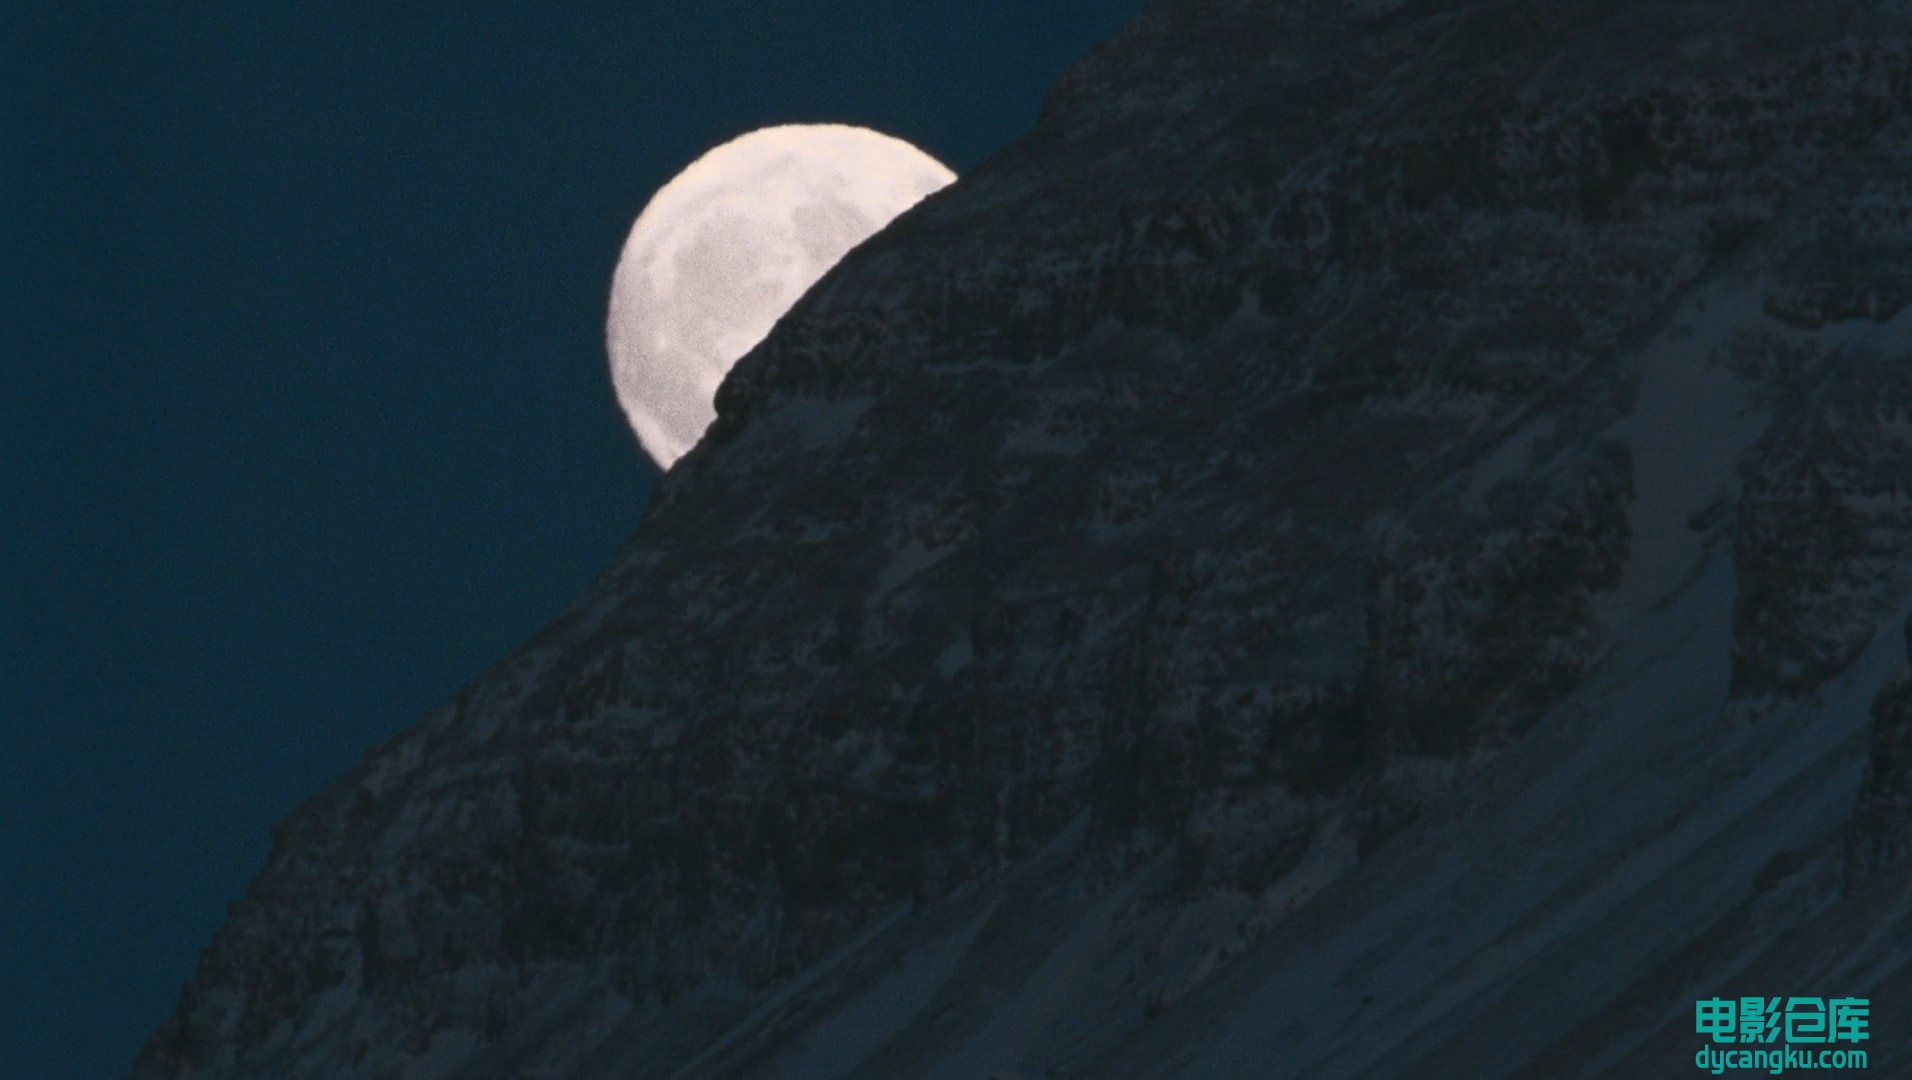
[
  {"x": 307, "y": 415},
  {"x": 1375, "y": 539}
]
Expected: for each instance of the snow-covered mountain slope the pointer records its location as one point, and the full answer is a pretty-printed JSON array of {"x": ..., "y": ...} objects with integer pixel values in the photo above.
[{"x": 1375, "y": 540}]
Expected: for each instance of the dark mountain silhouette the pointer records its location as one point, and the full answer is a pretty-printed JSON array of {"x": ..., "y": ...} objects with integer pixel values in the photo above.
[{"x": 1374, "y": 540}]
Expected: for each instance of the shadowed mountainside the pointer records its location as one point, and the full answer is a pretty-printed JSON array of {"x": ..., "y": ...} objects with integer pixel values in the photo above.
[{"x": 1376, "y": 536}]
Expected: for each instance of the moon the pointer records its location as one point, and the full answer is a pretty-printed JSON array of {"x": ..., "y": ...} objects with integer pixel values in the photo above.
[{"x": 723, "y": 250}]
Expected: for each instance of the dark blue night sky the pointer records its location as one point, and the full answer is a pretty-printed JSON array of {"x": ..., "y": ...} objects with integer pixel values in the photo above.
[{"x": 303, "y": 411}]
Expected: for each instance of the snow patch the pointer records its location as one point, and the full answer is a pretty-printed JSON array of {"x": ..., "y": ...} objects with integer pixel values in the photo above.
[
  {"x": 1690, "y": 425},
  {"x": 913, "y": 559},
  {"x": 883, "y": 1012},
  {"x": 1513, "y": 458},
  {"x": 1333, "y": 851},
  {"x": 875, "y": 762},
  {"x": 956, "y": 656},
  {"x": 1017, "y": 1026}
]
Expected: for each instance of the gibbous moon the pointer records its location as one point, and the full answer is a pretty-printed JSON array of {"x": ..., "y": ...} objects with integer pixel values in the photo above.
[{"x": 724, "y": 249}]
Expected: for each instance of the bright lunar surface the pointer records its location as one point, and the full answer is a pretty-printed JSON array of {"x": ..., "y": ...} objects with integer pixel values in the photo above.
[{"x": 724, "y": 249}]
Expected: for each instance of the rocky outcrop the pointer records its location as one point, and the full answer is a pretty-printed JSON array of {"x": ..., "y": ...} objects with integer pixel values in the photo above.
[
  {"x": 1881, "y": 831},
  {"x": 1825, "y": 524},
  {"x": 1475, "y": 631}
]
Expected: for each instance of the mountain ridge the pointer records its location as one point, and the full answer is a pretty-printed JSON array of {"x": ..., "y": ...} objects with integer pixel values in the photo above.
[{"x": 1335, "y": 435}]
